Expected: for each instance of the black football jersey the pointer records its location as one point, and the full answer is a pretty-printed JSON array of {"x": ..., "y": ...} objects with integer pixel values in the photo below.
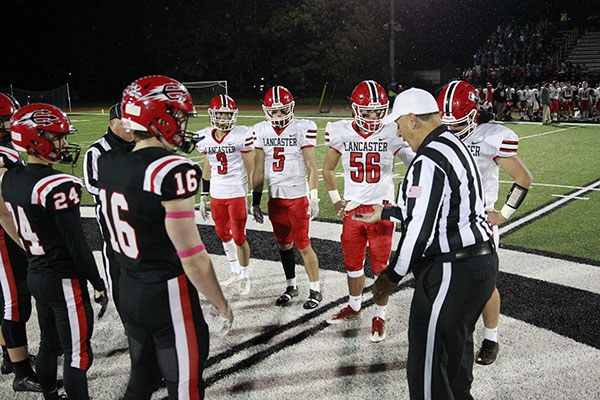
[
  {"x": 9, "y": 157},
  {"x": 44, "y": 204},
  {"x": 132, "y": 186}
]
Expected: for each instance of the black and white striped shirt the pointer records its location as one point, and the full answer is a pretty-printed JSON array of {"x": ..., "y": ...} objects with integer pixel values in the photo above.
[{"x": 440, "y": 203}]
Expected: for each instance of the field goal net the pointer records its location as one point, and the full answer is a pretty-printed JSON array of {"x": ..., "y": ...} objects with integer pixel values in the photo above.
[
  {"x": 203, "y": 92},
  {"x": 59, "y": 97}
]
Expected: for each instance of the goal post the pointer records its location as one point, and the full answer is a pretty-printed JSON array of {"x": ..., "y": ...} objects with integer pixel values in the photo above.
[
  {"x": 204, "y": 91},
  {"x": 59, "y": 97}
]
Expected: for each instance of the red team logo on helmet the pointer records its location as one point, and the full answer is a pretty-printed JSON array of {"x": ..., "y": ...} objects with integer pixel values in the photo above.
[
  {"x": 218, "y": 108},
  {"x": 279, "y": 106},
  {"x": 459, "y": 106},
  {"x": 8, "y": 106},
  {"x": 369, "y": 105},
  {"x": 39, "y": 129},
  {"x": 161, "y": 106}
]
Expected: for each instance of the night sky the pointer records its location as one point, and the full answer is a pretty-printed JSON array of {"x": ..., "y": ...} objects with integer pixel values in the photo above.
[{"x": 100, "y": 48}]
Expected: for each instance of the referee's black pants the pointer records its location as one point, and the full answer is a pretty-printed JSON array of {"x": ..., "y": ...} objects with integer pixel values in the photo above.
[{"x": 448, "y": 299}]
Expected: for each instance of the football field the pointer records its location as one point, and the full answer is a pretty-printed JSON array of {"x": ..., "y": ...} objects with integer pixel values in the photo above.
[{"x": 549, "y": 282}]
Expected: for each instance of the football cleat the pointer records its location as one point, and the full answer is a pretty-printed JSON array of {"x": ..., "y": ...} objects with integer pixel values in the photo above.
[
  {"x": 290, "y": 291},
  {"x": 378, "y": 329},
  {"x": 231, "y": 278},
  {"x": 488, "y": 352},
  {"x": 27, "y": 384},
  {"x": 6, "y": 367},
  {"x": 346, "y": 314},
  {"x": 314, "y": 299},
  {"x": 244, "y": 286}
]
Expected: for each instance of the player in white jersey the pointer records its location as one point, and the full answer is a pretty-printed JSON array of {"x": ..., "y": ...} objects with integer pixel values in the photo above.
[
  {"x": 367, "y": 149},
  {"x": 522, "y": 96},
  {"x": 228, "y": 167},
  {"x": 285, "y": 155},
  {"x": 585, "y": 100},
  {"x": 554, "y": 96},
  {"x": 568, "y": 93},
  {"x": 492, "y": 146}
]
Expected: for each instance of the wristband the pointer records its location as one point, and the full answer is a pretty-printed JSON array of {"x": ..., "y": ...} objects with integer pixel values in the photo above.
[
  {"x": 256, "y": 198},
  {"x": 507, "y": 211},
  {"x": 313, "y": 194},
  {"x": 180, "y": 214},
  {"x": 191, "y": 252},
  {"x": 334, "y": 195},
  {"x": 205, "y": 186}
]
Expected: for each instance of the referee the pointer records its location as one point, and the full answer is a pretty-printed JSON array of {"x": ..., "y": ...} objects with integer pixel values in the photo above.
[{"x": 445, "y": 243}]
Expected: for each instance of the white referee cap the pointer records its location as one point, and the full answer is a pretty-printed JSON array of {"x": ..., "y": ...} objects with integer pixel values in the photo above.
[{"x": 412, "y": 101}]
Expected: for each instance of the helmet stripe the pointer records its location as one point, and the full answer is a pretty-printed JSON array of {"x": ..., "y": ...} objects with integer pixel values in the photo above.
[
  {"x": 449, "y": 96},
  {"x": 276, "y": 95},
  {"x": 373, "y": 90},
  {"x": 224, "y": 101}
]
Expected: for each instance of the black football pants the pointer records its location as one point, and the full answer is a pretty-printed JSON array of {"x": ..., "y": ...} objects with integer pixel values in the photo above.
[{"x": 448, "y": 299}]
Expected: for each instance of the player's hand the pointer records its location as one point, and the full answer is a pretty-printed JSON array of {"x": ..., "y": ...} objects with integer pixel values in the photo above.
[
  {"x": 224, "y": 320},
  {"x": 102, "y": 299},
  {"x": 370, "y": 218},
  {"x": 258, "y": 214},
  {"x": 313, "y": 208},
  {"x": 340, "y": 208},
  {"x": 203, "y": 211},
  {"x": 383, "y": 287},
  {"x": 495, "y": 217}
]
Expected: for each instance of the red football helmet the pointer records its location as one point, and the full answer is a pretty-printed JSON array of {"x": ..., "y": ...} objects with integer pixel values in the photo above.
[
  {"x": 279, "y": 99},
  {"x": 459, "y": 106},
  {"x": 161, "y": 106},
  {"x": 369, "y": 105},
  {"x": 223, "y": 104},
  {"x": 8, "y": 106},
  {"x": 39, "y": 129}
]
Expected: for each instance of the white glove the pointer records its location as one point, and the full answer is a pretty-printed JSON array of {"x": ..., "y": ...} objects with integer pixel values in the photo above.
[
  {"x": 223, "y": 321},
  {"x": 203, "y": 211},
  {"x": 313, "y": 203}
]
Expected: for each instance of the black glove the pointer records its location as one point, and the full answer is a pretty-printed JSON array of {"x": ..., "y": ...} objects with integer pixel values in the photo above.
[{"x": 102, "y": 299}]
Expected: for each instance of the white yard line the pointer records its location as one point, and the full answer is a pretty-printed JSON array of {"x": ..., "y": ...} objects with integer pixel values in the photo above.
[
  {"x": 571, "y": 197},
  {"x": 549, "y": 207},
  {"x": 549, "y": 132},
  {"x": 553, "y": 185}
]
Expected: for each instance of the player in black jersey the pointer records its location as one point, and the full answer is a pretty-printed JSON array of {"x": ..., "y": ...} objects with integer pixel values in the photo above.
[
  {"x": 44, "y": 204},
  {"x": 147, "y": 198},
  {"x": 115, "y": 137},
  {"x": 15, "y": 299}
]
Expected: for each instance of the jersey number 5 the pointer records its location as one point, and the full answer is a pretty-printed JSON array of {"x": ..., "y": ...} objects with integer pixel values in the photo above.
[
  {"x": 279, "y": 159},
  {"x": 368, "y": 171}
]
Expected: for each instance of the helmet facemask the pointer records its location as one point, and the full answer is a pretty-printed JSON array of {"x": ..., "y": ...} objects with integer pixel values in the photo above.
[
  {"x": 470, "y": 120},
  {"x": 60, "y": 153},
  {"x": 182, "y": 140},
  {"x": 223, "y": 124},
  {"x": 283, "y": 120},
  {"x": 362, "y": 116}
]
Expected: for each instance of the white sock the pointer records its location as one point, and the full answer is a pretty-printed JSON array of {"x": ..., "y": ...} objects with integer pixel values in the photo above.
[
  {"x": 244, "y": 271},
  {"x": 291, "y": 282},
  {"x": 491, "y": 334},
  {"x": 380, "y": 311},
  {"x": 316, "y": 286},
  {"x": 231, "y": 253},
  {"x": 355, "y": 302}
]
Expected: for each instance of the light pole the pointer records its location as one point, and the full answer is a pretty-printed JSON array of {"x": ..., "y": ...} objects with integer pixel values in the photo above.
[{"x": 395, "y": 27}]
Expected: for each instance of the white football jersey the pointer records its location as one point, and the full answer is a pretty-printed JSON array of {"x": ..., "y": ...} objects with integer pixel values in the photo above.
[
  {"x": 554, "y": 92},
  {"x": 285, "y": 168},
  {"x": 528, "y": 95},
  {"x": 585, "y": 93},
  {"x": 487, "y": 143},
  {"x": 368, "y": 160},
  {"x": 228, "y": 176}
]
